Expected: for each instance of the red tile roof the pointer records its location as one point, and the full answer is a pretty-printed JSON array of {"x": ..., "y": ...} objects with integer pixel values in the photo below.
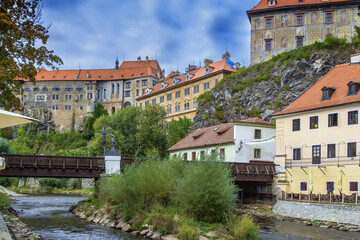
[
  {"x": 256, "y": 120},
  {"x": 196, "y": 74},
  {"x": 215, "y": 135},
  {"x": 263, "y": 4},
  {"x": 127, "y": 70},
  {"x": 337, "y": 78}
]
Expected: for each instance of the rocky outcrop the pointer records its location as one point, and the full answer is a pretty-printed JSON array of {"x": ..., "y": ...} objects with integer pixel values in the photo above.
[{"x": 266, "y": 88}]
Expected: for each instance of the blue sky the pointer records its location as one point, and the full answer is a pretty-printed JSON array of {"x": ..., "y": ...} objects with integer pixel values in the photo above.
[{"x": 176, "y": 32}]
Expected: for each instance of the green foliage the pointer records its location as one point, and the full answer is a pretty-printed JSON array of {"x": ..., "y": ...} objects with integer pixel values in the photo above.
[
  {"x": 219, "y": 113},
  {"x": 286, "y": 87},
  {"x": 277, "y": 81},
  {"x": 6, "y": 133},
  {"x": 99, "y": 111},
  {"x": 5, "y": 146},
  {"x": 278, "y": 104},
  {"x": 206, "y": 116},
  {"x": 244, "y": 228},
  {"x": 205, "y": 97},
  {"x": 177, "y": 130},
  {"x": 331, "y": 42},
  {"x": 188, "y": 232},
  {"x": 5, "y": 181},
  {"x": 356, "y": 38},
  {"x": 255, "y": 112},
  {"x": 53, "y": 182},
  {"x": 4, "y": 200}
]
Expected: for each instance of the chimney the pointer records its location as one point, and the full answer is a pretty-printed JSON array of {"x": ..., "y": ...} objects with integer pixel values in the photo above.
[
  {"x": 237, "y": 65},
  {"x": 355, "y": 59},
  {"x": 147, "y": 59},
  {"x": 76, "y": 75},
  {"x": 87, "y": 74},
  {"x": 139, "y": 59},
  {"x": 56, "y": 69},
  {"x": 207, "y": 62},
  {"x": 163, "y": 73},
  {"x": 226, "y": 55},
  {"x": 192, "y": 67},
  {"x": 176, "y": 74}
]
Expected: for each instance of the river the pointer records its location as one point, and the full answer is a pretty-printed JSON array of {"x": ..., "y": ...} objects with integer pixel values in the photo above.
[{"x": 48, "y": 216}]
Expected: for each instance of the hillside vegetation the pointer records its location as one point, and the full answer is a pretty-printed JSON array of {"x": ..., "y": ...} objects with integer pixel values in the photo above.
[{"x": 265, "y": 88}]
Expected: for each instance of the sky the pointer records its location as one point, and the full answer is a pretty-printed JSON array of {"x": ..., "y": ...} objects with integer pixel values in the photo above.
[{"x": 90, "y": 34}]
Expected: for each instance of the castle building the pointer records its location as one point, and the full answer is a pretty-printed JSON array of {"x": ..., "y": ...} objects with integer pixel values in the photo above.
[
  {"x": 178, "y": 93},
  {"x": 70, "y": 95},
  {"x": 317, "y": 145},
  {"x": 281, "y": 25}
]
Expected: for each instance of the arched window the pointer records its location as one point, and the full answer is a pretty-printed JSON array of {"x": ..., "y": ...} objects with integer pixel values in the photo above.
[
  {"x": 104, "y": 93},
  {"x": 127, "y": 104},
  {"x": 118, "y": 89},
  {"x": 113, "y": 89},
  {"x": 98, "y": 94}
]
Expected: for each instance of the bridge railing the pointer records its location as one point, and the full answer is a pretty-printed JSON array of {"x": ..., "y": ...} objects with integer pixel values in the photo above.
[
  {"x": 53, "y": 162},
  {"x": 253, "y": 168}
]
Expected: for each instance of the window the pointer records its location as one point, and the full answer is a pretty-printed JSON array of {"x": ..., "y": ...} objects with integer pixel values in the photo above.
[
  {"x": 216, "y": 81},
  {"x": 55, "y": 97},
  {"x": 168, "y": 97},
  {"x": 143, "y": 91},
  {"x": 69, "y": 97},
  {"x": 177, "y": 94},
  {"x": 222, "y": 152},
  {"x": 56, "y": 88},
  {"x": 328, "y": 18},
  {"x": 202, "y": 153},
  {"x": 27, "y": 89},
  {"x": 161, "y": 99},
  {"x": 354, "y": 186},
  {"x": 185, "y": 157},
  {"x": 137, "y": 92},
  {"x": 297, "y": 154},
  {"x": 168, "y": 110},
  {"x": 299, "y": 41},
  {"x": 352, "y": 117},
  {"x": 138, "y": 83},
  {"x": 112, "y": 89},
  {"x": 351, "y": 149},
  {"x": 128, "y": 85},
  {"x": 332, "y": 120},
  {"x": 196, "y": 89},
  {"x": 353, "y": 88},
  {"x": 327, "y": 93},
  {"x": 271, "y": 2},
  {"x": 104, "y": 93},
  {"x": 66, "y": 97},
  {"x": 177, "y": 108},
  {"x": 257, "y": 134},
  {"x": 193, "y": 156},
  {"x": 118, "y": 88},
  {"x": 79, "y": 89},
  {"x": 187, "y": 91},
  {"x": 40, "y": 97},
  {"x": 331, "y": 150},
  {"x": 206, "y": 85},
  {"x": 186, "y": 106},
  {"x": 316, "y": 154},
  {"x": 144, "y": 83},
  {"x": 89, "y": 96},
  {"x": 44, "y": 88},
  {"x": 299, "y": 20},
  {"x": 269, "y": 23},
  {"x": 36, "y": 89},
  {"x": 67, "y": 107},
  {"x": 330, "y": 186},
  {"x": 127, "y": 93},
  {"x": 314, "y": 122},
  {"x": 81, "y": 97},
  {"x": 257, "y": 153},
  {"x": 98, "y": 94},
  {"x": 303, "y": 186},
  {"x": 296, "y": 125},
  {"x": 268, "y": 44},
  {"x": 153, "y": 101},
  {"x": 68, "y": 88},
  {"x": 81, "y": 107}
]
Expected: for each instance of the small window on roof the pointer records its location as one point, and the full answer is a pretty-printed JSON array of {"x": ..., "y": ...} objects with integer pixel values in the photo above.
[
  {"x": 327, "y": 93},
  {"x": 353, "y": 88}
]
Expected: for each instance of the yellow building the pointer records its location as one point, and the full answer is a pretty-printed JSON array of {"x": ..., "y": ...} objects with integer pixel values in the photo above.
[
  {"x": 317, "y": 140},
  {"x": 279, "y": 25},
  {"x": 178, "y": 93}
]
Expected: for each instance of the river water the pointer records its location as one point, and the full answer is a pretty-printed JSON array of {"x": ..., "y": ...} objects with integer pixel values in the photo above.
[{"x": 49, "y": 217}]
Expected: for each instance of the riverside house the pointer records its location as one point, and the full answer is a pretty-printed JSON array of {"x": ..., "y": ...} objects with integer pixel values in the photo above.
[{"x": 317, "y": 136}]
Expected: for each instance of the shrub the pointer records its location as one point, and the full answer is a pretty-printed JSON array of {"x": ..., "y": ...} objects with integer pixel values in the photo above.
[
  {"x": 4, "y": 200},
  {"x": 286, "y": 87},
  {"x": 255, "y": 112},
  {"x": 206, "y": 192},
  {"x": 244, "y": 228},
  {"x": 205, "y": 97},
  {"x": 53, "y": 182},
  {"x": 5, "y": 181},
  {"x": 188, "y": 232},
  {"x": 5, "y": 146}
]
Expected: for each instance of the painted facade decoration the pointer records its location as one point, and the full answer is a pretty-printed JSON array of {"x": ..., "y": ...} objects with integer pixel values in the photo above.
[{"x": 286, "y": 25}]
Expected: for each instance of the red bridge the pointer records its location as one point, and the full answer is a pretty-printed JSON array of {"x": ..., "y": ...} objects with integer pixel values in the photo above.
[{"x": 93, "y": 167}]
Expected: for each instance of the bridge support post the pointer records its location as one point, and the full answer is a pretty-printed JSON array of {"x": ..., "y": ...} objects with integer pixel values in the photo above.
[{"x": 112, "y": 160}]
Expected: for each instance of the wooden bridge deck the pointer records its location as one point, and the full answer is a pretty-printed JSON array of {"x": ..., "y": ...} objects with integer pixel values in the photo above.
[{"x": 93, "y": 167}]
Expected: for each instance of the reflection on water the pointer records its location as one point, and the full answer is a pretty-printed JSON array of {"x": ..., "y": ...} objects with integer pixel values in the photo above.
[{"x": 49, "y": 217}]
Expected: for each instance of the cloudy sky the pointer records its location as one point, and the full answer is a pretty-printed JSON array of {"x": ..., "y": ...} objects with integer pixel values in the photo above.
[{"x": 175, "y": 32}]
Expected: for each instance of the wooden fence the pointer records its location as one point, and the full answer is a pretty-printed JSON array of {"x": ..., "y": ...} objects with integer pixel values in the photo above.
[{"x": 352, "y": 199}]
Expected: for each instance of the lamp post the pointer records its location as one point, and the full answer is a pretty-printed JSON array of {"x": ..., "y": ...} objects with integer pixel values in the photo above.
[{"x": 104, "y": 133}]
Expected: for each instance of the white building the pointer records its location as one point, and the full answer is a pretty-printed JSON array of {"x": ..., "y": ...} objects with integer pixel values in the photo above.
[{"x": 243, "y": 141}]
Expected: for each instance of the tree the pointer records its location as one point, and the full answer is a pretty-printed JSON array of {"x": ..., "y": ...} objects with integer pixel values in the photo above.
[
  {"x": 177, "y": 130},
  {"x": 22, "y": 48},
  {"x": 99, "y": 111}
]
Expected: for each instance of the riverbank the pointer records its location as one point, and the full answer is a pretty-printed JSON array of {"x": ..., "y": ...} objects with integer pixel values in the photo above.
[{"x": 86, "y": 192}]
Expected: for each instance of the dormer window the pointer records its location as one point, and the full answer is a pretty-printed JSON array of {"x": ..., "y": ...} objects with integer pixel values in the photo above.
[
  {"x": 148, "y": 90},
  {"x": 163, "y": 85},
  {"x": 353, "y": 88},
  {"x": 188, "y": 76},
  {"x": 176, "y": 81},
  {"x": 271, "y": 3},
  {"x": 327, "y": 93}
]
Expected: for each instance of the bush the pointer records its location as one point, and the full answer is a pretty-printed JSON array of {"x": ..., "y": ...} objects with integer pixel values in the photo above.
[
  {"x": 4, "y": 200},
  {"x": 244, "y": 228},
  {"x": 5, "y": 181},
  {"x": 5, "y": 146},
  {"x": 188, "y": 232},
  {"x": 206, "y": 192},
  {"x": 53, "y": 182},
  {"x": 205, "y": 97}
]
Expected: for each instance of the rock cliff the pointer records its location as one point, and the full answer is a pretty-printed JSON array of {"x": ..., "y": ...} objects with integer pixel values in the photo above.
[{"x": 265, "y": 88}]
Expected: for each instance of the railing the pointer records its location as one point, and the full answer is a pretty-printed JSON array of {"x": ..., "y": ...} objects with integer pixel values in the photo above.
[
  {"x": 53, "y": 162},
  {"x": 321, "y": 198},
  {"x": 323, "y": 162},
  {"x": 253, "y": 168}
]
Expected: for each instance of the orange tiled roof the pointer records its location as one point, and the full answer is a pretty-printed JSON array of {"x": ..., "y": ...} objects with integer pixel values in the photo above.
[
  {"x": 256, "y": 120},
  {"x": 127, "y": 70},
  {"x": 196, "y": 74},
  {"x": 218, "y": 134},
  {"x": 263, "y": 4},
  {"x": 337, "y": 78}
]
